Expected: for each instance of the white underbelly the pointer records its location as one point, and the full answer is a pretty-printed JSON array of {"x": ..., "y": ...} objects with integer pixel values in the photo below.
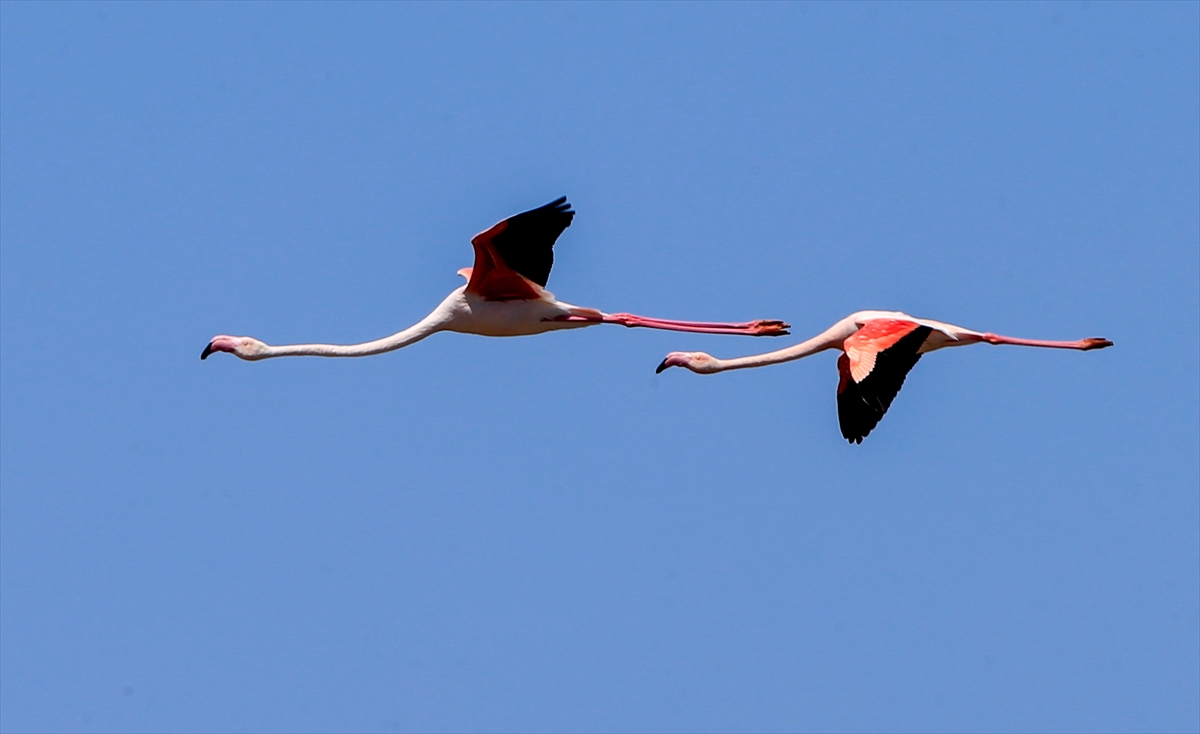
[{"x": 512, "y": 318}]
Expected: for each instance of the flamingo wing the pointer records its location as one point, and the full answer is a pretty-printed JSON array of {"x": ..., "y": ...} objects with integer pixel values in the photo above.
[
  {"x": 872, "y": 368},
  {"x": 513, "y": 259}
]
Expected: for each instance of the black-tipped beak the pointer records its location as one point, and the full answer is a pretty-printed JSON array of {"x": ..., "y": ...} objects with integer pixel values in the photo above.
[
  {"x": 661, "y": 366},
  {"x": 207, "y": 351}
]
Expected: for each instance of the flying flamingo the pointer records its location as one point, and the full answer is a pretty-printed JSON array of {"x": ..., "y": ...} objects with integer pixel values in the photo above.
[
  {"x": 878, "y": 349},
  {"x": 504, "y": 296}
]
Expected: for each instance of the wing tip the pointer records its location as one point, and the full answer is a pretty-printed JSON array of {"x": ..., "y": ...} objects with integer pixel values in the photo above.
[{"x": 562, "y": 206}]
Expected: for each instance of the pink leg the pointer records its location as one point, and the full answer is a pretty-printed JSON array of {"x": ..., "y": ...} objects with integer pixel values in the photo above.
[
  {"x": 762, "y": 327},
  {"x": 1083, "y": 344}
]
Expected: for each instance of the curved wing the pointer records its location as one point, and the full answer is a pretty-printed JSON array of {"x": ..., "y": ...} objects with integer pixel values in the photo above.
[
  {"x": 872, "y": 369},
  {"x": 513, "y": 259}
]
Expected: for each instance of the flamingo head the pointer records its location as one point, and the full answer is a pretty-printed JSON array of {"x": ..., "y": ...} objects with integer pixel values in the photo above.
[
  {"x": 697, "y": 362},
  {"x": 245, "y": 347}
]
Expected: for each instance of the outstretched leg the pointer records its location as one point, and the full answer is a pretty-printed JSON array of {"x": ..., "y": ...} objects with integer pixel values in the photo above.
[
  {"x": 1082, "y": 344},
  {"x": 762, "y": 327}
]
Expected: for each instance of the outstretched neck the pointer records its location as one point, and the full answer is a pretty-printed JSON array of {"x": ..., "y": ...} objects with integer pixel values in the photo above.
[
  {"x": 831, "y": 338},
  {"x": 434, "y": 322},
  {"x": 400, "y": 339}
]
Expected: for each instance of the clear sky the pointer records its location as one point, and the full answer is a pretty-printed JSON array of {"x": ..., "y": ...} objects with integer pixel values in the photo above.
[{"x": 539, "y": 533}]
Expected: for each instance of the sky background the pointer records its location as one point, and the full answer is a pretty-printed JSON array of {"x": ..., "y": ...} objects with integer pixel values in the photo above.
[{"x": 539, "y": 533}]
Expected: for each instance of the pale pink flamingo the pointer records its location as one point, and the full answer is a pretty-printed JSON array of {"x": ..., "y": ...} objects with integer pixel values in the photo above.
[
  {"x": 504, "y": 296},
  {"x": 878, "y": 349}
]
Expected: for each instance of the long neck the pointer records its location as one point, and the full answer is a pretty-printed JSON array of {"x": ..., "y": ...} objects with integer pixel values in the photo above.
[
  {"x": 831, "y": 338},
  {"x": 434, "y": 322}
]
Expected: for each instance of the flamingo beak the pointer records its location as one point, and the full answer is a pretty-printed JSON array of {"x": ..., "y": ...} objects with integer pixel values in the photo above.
[
  {"x": 220, "y": 344},
  {"x": 674, "y": 359}
]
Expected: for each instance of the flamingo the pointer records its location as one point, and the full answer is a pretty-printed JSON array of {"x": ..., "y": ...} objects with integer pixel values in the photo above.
[
  {"x": 878, "y": 350},
  {"x": 505, "y": 295}
]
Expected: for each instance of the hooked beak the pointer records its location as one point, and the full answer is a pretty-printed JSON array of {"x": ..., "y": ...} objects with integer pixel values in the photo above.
[
  {"x": 661, "y": 366},
  {"x": 221, "y": 344}
]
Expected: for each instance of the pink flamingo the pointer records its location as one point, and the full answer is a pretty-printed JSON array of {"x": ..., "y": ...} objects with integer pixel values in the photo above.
[
  {"x": 504, "y": 296},
  {"x": 878, "y": 349}
]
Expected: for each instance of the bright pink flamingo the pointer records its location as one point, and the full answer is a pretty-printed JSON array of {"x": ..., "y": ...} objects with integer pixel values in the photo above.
[
  {"x": 878, "y": 349},
  {"x": 504, "y": 296}
]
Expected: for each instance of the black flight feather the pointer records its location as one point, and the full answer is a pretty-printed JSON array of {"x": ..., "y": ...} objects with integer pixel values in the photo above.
[
  {"x": 861, "y": 405},
  {"x": 527, "y": 242}
]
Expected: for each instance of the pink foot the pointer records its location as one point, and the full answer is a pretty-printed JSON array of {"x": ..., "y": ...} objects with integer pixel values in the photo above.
[{"x": 769, "y": 327}]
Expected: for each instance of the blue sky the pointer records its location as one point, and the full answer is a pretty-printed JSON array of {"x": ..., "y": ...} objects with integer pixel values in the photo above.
[{"x": 539, "y": 533}]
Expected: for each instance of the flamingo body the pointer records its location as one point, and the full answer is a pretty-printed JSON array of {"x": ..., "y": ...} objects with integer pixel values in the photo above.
[
  {"x": 505, "y": 295},
  {"x": 474, "y": 314},
  {"x": 878, "y": 349}
]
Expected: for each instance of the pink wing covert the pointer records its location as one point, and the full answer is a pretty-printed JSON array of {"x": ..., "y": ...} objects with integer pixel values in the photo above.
[
  {"x": 491, "y": 278},
  {"x": 874, "y": 337}
]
